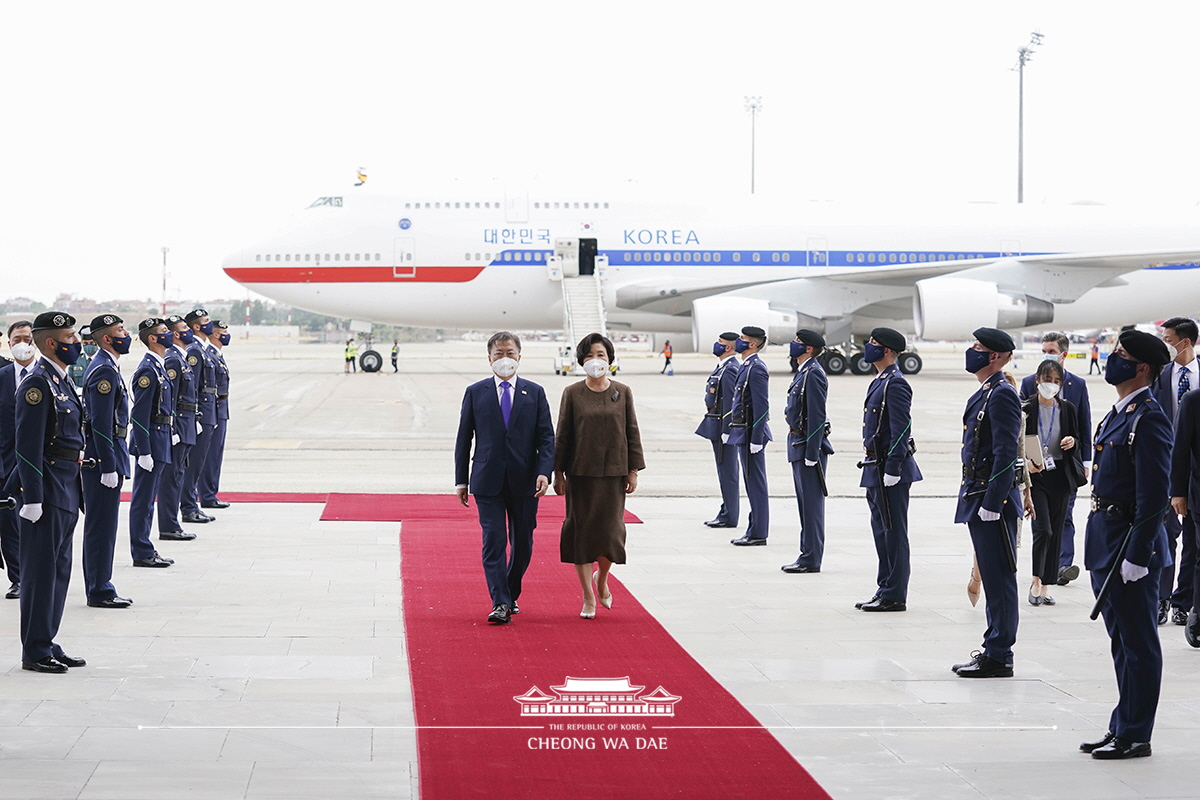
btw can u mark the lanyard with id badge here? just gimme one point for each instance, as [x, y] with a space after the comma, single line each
[1047, 459]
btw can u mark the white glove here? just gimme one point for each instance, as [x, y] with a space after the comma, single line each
[174, 439]
[724, 438]
[199, 429]
[808, 463]
[1131, 572]
[146, 463]
[109, 479]
[988, 516]
[31, 511]
[890, 480]
[755, 448]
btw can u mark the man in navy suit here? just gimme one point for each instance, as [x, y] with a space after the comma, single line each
[1177, 379]
[49, 447]
[749, 433]
[107, 403]
[1074, 389]
[509, 420]
[1185, 486]
[889, 468]
[20, 341]
[808, 447]
[1130, 495]
[718, 403]
[988, 500]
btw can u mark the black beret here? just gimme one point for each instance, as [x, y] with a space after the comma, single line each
[810, 337]
[105, 321]
[219, 323]
[195, 314]
[753, 330]
[174, 319]
[890, 338]
[151, 322]
[728, 336]
[1145, 347]
[53, 320]
[995, 340]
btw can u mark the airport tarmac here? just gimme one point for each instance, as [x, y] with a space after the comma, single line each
[269, 661]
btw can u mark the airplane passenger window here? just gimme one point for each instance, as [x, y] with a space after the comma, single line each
[288, 257]
[658, 257]
[717, 257]
[468, 258]
[507, 256]
[787, 257]
[408, 205]
[327, 256]
[627, 257]
[912, 258]
[707, 257]
[903, 258]
[870, 258]
[585, 205]
[337, 256]
[737, 258]
[258, 257]
[356, 257]
[686, 257]
[606, 205]
[775, 257]
[756, 258]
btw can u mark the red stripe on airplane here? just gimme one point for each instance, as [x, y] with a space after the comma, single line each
[352, 274]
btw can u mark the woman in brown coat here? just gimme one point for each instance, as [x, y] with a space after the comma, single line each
[597, 455]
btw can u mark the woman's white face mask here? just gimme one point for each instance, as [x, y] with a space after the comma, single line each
[595, 367]
[1048, 390]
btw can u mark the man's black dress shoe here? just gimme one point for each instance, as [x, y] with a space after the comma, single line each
[513, 608]
[48, 664]
[796, 568]
[1067, 574]
[746, 541]
[883, 604]
[1179, 617]
[974, 660]
[1192, 632]
[985, 667]
[500, 615]
[215, 504]
[197, 518]
[111, 602]
[1119, 748]
[862, 603]
[70, 661]
[176, 536]
[14, 592]
[716, 523]
[1164, 611]
[1088, 747]
[153, 561]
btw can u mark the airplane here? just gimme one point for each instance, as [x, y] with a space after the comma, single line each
[493, 259]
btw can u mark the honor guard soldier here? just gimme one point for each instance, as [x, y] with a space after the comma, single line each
[718, 402]
[20, 342]
[1125, 536]
[808, 448]
[988, 500]
[210, 477]
[153, 433]
[749, 434]
[889, 469]
[187, 426]
[49, 447]
[203, 361]
[107, 431]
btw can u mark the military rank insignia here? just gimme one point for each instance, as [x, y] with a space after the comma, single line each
[144, 381]
[104, 387]
[33, 396]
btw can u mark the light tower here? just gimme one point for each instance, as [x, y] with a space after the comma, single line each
[753, 105]
[165, 250]
[1024, 56]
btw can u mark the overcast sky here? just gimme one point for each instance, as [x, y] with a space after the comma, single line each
[130, 126]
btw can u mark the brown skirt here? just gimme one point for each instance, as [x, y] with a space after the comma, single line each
[595, 523]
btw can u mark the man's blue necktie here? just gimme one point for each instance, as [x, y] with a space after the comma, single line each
[1185, 385]
[505, 401]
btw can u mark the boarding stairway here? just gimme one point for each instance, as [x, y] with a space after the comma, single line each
[580, 270]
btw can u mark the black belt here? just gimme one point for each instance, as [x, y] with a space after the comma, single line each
[186, 406]
[207, 390]
[972, 474]
[58, 451]
[1114, 508]
[223, 397]
[160, 419]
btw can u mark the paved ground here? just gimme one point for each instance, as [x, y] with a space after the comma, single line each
[269, 661]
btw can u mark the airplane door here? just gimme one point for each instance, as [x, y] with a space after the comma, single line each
[818, 253]
[516, 208]
[404, 265]
[1010, 247]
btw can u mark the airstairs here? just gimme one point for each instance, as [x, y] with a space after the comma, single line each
[581, 272]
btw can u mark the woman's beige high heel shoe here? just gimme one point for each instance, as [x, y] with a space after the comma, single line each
[604, 601]
[973, 586]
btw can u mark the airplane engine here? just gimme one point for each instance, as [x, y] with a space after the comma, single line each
[950, 308]
[712, 316]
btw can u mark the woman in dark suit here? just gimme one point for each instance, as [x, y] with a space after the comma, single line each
[597, 455]
[1056, 470]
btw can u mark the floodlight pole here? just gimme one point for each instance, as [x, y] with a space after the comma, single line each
[753, 105]
[165, 250]
[1024, 55]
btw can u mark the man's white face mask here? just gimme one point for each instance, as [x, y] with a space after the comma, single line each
[505, 367]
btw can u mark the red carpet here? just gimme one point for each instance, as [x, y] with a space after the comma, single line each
[416, 507]
[472, 738]
[259, 497]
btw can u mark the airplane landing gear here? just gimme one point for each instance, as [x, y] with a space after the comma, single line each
[370, 361]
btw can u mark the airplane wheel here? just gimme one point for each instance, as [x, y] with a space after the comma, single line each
[859, 365]
[370, 361]
[835, 364]
[910, 363]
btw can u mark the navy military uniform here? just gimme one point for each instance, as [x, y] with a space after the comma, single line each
[183, 390]
[209, 482]
[10, 527]
[991, 433]
[808, 451]
[107, 402]
[153, 426]
[49, 449]
[203, 363]
[887, 433]
[748, 427]
[718, 402]
[1130, 487]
